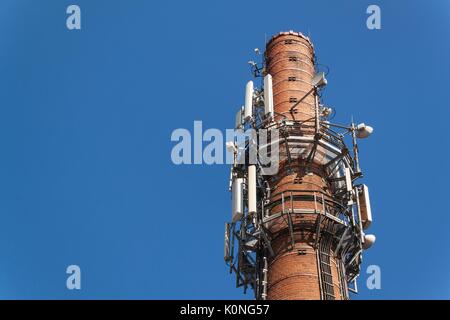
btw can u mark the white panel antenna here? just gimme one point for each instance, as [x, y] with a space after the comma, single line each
[348, 179]
[248, 107]
[251, 189]
[239, 118]
[364, 204]
[237, 192]
[268, 95]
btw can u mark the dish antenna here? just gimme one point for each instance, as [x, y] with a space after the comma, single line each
[363, 130]
[369, 240]
[319, 80]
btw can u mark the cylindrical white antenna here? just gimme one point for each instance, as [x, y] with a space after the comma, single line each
[248, 108]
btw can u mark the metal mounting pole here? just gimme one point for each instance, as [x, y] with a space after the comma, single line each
[316, 98]
[355, 148]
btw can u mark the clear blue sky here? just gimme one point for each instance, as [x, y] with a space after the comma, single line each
[86, 116]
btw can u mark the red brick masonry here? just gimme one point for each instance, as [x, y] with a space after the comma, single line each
[293, 272]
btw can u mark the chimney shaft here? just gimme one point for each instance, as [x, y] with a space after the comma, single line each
[303, 267]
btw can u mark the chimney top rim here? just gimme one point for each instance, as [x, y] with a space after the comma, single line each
[290, 33]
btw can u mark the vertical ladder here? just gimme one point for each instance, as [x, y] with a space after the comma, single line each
[325, 269]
